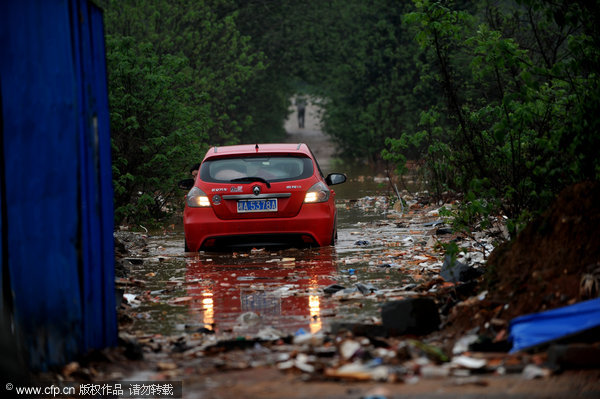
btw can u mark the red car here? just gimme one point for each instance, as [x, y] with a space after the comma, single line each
[260, 195]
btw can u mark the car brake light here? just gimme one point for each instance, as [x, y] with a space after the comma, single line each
[319, 192]
[197, 199]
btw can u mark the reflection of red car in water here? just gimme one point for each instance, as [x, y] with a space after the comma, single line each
[286, 293]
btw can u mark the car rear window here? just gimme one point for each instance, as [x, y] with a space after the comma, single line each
[272, 168]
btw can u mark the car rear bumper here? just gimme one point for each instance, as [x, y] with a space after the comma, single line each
[312, 226]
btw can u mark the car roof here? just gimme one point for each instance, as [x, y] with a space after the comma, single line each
[254, 149]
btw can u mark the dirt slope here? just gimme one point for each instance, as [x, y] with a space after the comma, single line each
[542, 268]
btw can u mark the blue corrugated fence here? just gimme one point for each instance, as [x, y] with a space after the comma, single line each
[57, 242]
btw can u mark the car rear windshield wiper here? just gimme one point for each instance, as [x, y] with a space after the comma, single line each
[250, 179]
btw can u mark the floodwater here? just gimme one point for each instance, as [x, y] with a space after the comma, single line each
[242, 293]
[245, 293]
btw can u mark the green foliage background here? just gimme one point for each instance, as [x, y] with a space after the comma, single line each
[498, 99]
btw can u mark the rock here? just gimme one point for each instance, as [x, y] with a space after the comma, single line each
[416, 316]
[133, 349]
[457, 271]
[574, 356]
[122, 268]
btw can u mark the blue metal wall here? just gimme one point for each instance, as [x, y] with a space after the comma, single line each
[57, 243]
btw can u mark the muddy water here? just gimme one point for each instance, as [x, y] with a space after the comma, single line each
[244, 293]
[249, 293]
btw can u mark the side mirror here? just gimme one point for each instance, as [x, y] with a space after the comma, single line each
[335, 178]
[186, 184]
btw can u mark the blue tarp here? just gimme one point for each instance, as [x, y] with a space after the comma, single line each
[539, 328]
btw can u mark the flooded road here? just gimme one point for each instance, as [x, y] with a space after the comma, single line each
[281, 289]
[380, 255]
[286, 291]
[249, 293]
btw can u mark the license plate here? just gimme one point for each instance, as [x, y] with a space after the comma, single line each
[257, 205]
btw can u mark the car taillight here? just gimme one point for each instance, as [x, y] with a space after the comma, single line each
[197, 199]
[319, 192]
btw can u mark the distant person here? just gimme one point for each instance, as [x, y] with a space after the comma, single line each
[301, 107]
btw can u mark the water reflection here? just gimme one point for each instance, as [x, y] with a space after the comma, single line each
[208, 310]
[314, 307]
[245, 293]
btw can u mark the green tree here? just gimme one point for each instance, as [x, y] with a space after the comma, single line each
[370, 77]
[155, 128]
[177, 83]
[516, 106]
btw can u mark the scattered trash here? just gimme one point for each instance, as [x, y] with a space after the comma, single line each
[332, 289]
[269, 334]
[304, 338]
[531, 371]
[368, 311]
[348, 348]
[131, 299]
[434, 223]
[468, 362]
[462, 345]
[181, 299]
[365, 289]
[249, 319]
